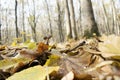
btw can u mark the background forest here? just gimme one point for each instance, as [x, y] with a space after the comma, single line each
[63, 19]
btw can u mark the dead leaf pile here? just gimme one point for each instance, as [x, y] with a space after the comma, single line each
[91, 59]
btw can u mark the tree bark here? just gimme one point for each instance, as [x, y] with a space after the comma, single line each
[6, 32]
[16, 25]
[68, 26]
[106, 19]
[0, 24]
[88, 20]
[34, 23]
[72, 18]
[48, 11]
[23, 22]
[60, 22]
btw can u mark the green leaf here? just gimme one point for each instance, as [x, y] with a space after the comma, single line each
[33, 73]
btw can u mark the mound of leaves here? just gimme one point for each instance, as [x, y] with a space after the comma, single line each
[92, 59]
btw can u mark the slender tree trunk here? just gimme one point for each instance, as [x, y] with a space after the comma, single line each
[80, 30]
[23, 20]
[0, 24]
[88, 20]
[59, 22]
[68, 26]
[16, 18]
[34, 22]
[106, 19]
[72, 18]
[6, 32]
[116, 19]
[0, 33]
[48, 11]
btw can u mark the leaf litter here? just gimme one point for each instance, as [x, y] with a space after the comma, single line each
[97, 58]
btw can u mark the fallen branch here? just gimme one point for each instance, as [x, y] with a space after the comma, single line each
[69, 50]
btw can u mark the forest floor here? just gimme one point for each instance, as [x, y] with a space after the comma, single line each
[85, 59]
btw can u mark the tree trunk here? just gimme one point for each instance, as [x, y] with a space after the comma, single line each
[48, 11]
[6, 32]
[0, 33]
[0, 25]
[32, 22]
[115, 19]
[60, 22]
[68, 23]
[72, 18]
[16, 25]
[88, 20]
[106, 19]
[23, 24]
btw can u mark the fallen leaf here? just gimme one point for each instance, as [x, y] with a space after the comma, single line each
[31, 54]
[52, 61]
[34, 73]
[2, 47]
[8, 63]
[69, 76]
[42, 47]
[99, 65]
[110, 44]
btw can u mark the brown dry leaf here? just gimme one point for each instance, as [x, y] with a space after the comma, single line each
[69, 76]
[29, 53]
[83, 76]
[42, 47]
[73, 76]
[2, 47]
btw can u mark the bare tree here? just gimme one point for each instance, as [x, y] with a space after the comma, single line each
[33, 22]
[73, 23]
[116, 23]
[87, 18]
[60, 14]
[49, 19]
[23, 21]
[0, 24]
[16, 25]
[6, 20]
[68, 26]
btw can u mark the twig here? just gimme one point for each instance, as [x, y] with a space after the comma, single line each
[80, 44]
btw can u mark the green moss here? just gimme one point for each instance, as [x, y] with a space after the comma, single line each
[90, 33]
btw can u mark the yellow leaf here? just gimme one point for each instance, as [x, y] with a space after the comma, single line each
[28, 44]
[33, 73]
[110, 44]
[14, 43]
[52, 61]
[8, 63]
[31, 45]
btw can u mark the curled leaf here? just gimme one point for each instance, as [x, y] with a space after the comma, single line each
[42, 47]
[104, 63]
